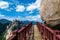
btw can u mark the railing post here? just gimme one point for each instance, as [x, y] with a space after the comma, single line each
[44, 33]
[54, 36]
[19, 36]
[25, 33]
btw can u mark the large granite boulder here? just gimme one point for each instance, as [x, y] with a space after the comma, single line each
[50, 12]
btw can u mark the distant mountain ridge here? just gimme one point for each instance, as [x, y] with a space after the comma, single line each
[3, 26]
[3, 21]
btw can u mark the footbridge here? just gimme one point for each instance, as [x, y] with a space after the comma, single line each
[35, 32]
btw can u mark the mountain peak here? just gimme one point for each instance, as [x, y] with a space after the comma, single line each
[3, 21]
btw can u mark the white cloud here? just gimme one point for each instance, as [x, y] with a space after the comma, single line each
[1, 15]
[4, 4]
[20, 8]
[33, 6]
[4, 17]
[13, 18]
[33, 18]
[30, 18]
[9, 9]
[30, 12]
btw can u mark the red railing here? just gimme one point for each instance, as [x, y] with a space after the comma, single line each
[47, 33]
[22, 34]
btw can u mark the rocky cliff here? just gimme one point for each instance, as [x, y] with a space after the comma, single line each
[50, 12]
[15, 25]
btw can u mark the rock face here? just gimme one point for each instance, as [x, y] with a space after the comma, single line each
[50, 12]
[15, 25]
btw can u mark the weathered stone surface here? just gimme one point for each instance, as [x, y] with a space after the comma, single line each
[15, 25]
[50, 11]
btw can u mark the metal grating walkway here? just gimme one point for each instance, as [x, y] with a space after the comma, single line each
[37, 35]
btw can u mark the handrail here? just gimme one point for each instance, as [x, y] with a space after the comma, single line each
[22, 34]
[58, 37]
[52, 31]
[48, 33]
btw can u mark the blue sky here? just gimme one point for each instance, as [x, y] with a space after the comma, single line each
[20, 9]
